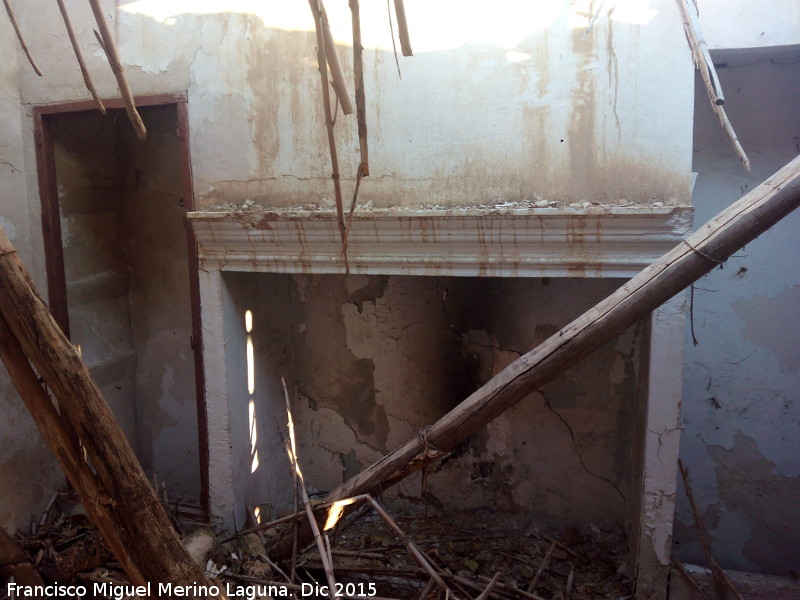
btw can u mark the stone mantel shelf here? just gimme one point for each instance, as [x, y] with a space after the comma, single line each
[549, 242]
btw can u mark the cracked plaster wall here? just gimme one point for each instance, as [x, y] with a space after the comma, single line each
[741, 405]
[511, 103]
[373, 359]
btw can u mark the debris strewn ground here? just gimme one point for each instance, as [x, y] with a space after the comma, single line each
[467, 550]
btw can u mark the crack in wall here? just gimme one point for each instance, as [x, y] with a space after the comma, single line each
[577, 452]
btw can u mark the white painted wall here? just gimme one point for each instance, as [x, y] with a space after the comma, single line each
[746, 24]
[741, 398]
[502, 102]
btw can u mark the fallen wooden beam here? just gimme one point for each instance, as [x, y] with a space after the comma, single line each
[702, 251]
[115, 491]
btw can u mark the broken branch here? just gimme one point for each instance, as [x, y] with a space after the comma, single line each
[702, 60]
[334, 64]
[322, 61]
[720, 577]
[116, 66]
[13, 19]
[361, 102]
[324, 555]
[542, 567]
[87, 79]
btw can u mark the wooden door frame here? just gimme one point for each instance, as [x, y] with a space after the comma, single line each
[43, 116]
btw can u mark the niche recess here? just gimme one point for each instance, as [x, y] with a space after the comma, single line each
[121, 274]
[436, 303]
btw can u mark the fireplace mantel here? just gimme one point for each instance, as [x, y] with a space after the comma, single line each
[595, 242]
[550, 242]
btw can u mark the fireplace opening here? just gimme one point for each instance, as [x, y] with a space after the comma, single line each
[370, 360]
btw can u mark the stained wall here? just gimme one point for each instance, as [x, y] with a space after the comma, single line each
[509, 102]
[741, 399]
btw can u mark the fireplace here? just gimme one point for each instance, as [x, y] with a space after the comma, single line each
[435, 303]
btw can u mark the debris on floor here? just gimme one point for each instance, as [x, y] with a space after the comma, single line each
[467, 550]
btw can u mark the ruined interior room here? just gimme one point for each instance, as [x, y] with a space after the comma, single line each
[403, 300]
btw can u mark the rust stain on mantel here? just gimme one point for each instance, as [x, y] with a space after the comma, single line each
[587, 242]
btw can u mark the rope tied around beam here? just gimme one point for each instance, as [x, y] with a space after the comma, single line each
[704, 255]
[422, 436]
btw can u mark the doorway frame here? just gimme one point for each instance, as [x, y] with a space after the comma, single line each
[43, 116]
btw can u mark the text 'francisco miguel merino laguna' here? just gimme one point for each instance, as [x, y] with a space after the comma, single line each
[119, 591]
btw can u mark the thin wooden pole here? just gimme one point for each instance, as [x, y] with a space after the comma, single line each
[322, 61]
[702, 61]
[402, 28]
[361, 102]
[338, 80]
[116, 66]
[701, 252]
[138, 527]
[13, 19]
[87, 79]
[720, 577]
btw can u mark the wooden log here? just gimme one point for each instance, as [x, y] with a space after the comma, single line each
[139, 530]
[110, 49]
[87, 79]
[702, 251]
[61, 440]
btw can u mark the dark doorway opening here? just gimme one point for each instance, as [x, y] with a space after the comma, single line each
[122, 275]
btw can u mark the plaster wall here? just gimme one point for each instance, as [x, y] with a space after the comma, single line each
[371, 360]
[741, 408]
[26, 464]
[501, 103]
[126, 266]
[743, 24]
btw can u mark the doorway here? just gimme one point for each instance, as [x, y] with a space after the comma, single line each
[122, 276]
